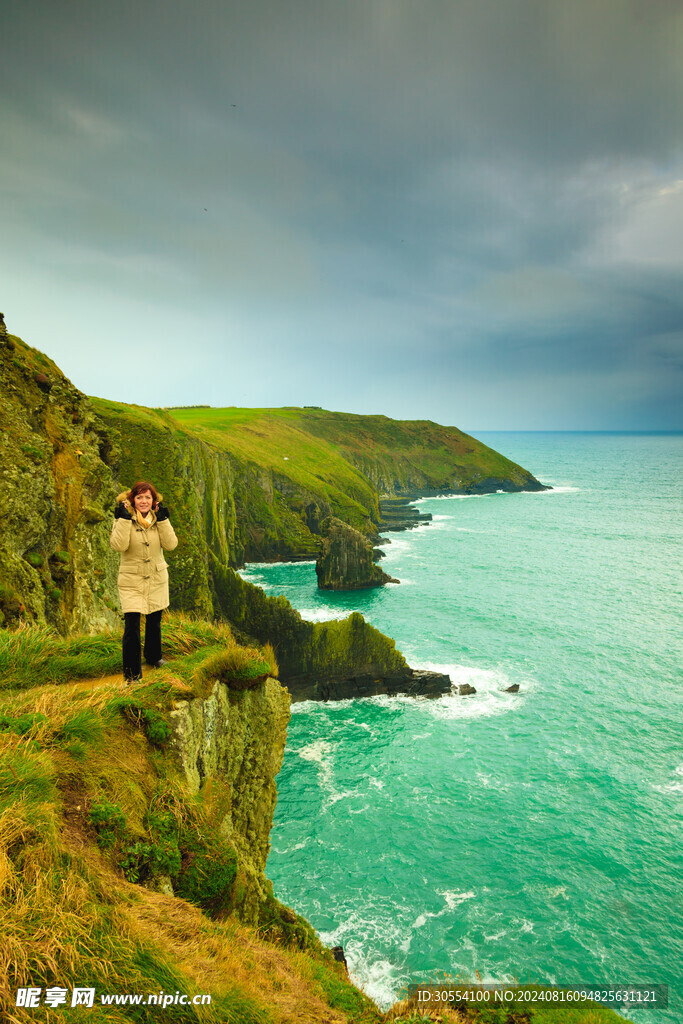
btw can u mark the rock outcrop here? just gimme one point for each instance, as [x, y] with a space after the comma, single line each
[236, 740]
[325, 660]
[346, 561]
[56, 495]
[413, 683]
[400, 514]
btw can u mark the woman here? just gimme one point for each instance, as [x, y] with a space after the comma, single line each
[141, 529]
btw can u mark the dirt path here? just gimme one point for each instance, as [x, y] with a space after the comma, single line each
[117, 680]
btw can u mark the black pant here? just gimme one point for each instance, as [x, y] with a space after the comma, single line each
[132, 666]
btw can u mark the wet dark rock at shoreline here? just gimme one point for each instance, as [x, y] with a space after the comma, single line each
[412, 683]
[399, 514]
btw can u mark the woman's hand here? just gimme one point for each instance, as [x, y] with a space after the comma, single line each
[162, 513]
[121, 512]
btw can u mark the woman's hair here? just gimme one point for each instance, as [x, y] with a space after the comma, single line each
[139, 488]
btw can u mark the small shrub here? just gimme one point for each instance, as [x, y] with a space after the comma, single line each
[154, 726]
[145, 860]
[109, 822]
[34, 558]
[62, 556]
[209, 869]
[240, 668]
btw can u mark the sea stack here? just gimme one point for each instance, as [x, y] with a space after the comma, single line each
[346, 560]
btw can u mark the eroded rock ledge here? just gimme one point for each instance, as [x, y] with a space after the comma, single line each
[413, 683]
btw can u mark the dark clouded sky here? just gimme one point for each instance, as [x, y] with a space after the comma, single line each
[466, 210]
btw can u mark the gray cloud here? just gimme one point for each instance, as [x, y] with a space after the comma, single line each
[421, 209]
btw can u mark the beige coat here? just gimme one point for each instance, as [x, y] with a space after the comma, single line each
[143, 573]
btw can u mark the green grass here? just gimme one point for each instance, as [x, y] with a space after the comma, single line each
[33, 655]
[335, 461]
[342, 996]
[324, 446]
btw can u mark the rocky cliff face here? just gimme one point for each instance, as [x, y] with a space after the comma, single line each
[224, 511]
[236, 740]
[325, 660]
[55, 498]
[346, 561]
[415, 458]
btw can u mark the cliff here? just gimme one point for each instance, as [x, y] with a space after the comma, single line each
[55, 497]
[324, 660]
[134, 831]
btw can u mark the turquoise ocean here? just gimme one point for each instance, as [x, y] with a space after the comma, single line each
[534, 836]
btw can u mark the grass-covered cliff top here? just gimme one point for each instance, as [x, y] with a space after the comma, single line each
[317, 448]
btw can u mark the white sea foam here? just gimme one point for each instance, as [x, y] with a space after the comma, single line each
[281, 850]
[379, 979]
[447, 497]
[376, 976]
[675, 786]
[257, 579]
[320, 614]
[269, 565]
[454, 897]
[320, 752]
[560, 489]
[304, 707]
[490, 698]
[334, 798]
[435, 523]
